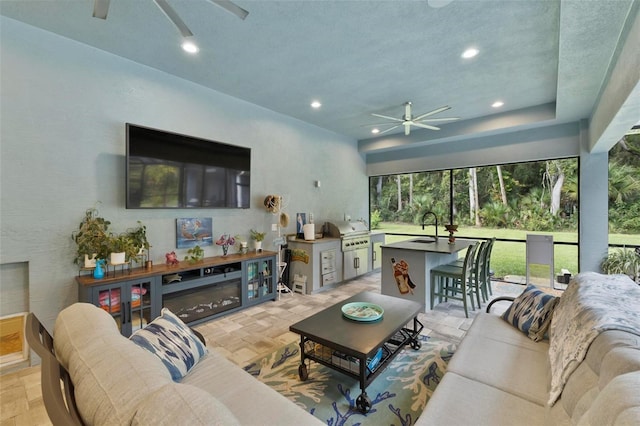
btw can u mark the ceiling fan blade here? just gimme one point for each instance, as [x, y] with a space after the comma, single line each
[100, 9]
[407, 111]
[436, 119]
[389, 129]
[377, 124]
[231, 7]
[425, 126]
[173, 17]
[387, 117]
[435, 111]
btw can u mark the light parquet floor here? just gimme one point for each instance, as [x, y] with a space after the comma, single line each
[245, 335]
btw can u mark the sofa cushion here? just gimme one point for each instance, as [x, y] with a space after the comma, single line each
[178, 404]
[531, 312]
[111, 375]
[461, 401]
[172, 341]
[518, 370]
[251, 401]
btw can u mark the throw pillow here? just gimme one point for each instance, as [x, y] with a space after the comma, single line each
[173, 342]
[531, 312]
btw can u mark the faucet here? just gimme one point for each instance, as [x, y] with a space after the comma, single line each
[435, 217]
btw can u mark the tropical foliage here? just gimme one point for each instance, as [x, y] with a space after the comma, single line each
[535, 196]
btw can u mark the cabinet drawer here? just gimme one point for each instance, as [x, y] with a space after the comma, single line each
[329, 278]
[328, 256]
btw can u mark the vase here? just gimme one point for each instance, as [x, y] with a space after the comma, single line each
[98, 272]
[258, 245]
[225, 250]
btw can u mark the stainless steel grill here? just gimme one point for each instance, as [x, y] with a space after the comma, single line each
[354, 235]
[355, 242]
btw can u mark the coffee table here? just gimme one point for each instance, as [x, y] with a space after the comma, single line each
[359, 349]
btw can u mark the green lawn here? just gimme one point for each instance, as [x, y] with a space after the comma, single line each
[509, 258]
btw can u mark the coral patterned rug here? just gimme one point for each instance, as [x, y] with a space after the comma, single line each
[398, 395]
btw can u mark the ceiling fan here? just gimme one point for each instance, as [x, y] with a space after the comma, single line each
[101, 8]
[409, 120]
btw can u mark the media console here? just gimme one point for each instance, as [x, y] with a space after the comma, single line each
[196, 292]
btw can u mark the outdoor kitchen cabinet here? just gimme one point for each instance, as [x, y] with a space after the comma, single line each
[319, 260]
[377, 241]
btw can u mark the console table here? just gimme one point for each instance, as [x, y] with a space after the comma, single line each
[196, 292]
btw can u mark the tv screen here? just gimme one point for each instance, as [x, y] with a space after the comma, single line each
[168, 170]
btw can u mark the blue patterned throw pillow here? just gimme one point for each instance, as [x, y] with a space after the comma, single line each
[531, 312]
[173, 342]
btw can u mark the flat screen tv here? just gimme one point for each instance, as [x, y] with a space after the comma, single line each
[167, 170]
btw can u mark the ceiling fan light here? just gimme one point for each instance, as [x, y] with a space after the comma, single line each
[190, 47]
[470, 53]
[375, 131]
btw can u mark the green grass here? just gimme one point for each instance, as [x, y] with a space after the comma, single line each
[509, 258]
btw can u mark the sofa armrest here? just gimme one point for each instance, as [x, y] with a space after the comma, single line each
[499, 299]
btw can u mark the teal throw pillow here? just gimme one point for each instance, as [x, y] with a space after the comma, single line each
[531, 312]
[173, 342]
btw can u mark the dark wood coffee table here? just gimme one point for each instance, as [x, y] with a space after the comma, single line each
[345, 345]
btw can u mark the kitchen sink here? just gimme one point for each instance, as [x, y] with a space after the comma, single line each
[426, 240]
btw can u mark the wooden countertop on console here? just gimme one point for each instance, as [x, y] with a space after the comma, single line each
[160, 269]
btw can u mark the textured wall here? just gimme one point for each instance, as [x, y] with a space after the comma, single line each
[63, 110]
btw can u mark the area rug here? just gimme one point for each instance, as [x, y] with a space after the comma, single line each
[398, 395]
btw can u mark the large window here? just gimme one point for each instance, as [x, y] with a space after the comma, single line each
[624, 191]
[505, 201]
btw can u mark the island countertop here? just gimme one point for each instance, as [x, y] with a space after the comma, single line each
[442, 246]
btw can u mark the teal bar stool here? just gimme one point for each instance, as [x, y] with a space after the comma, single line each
[453, 282]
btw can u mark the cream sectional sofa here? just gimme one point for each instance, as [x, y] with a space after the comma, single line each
[498, 376]
[118, 382]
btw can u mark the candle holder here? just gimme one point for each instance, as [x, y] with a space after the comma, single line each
[451, 229]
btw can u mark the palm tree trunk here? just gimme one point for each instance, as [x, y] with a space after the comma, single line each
[503, 192]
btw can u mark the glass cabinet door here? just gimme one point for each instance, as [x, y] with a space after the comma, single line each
[110, 300]
[260, 279]
[141, 306]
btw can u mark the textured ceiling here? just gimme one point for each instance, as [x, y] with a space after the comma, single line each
[545, 57]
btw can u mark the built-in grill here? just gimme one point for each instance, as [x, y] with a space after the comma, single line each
[355, 239]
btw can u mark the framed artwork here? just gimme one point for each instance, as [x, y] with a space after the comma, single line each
[194, 231]
[301, 219]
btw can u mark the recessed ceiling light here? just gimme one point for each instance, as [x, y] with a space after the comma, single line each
[497, 104]
[374, 131]
[190, 47]
[316, 104]
[470, 53]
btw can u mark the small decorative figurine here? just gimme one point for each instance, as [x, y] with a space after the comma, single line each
[172, 258]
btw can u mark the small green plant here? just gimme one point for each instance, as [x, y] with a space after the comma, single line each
[622, 261]
[258, 236]
[194, 254]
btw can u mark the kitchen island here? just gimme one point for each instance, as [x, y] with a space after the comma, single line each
[406, 266]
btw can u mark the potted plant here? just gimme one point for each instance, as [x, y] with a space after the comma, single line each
[121, 248]
[622, 261]
[257, 237]
[194, 254]
[138, 237]
[92, 239]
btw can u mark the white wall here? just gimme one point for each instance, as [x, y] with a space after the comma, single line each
[62, 112]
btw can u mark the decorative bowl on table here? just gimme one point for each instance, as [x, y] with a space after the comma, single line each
[362, 311]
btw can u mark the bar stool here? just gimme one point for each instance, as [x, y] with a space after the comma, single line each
[454, 282]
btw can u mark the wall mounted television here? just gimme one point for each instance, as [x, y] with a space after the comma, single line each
[171, 171]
